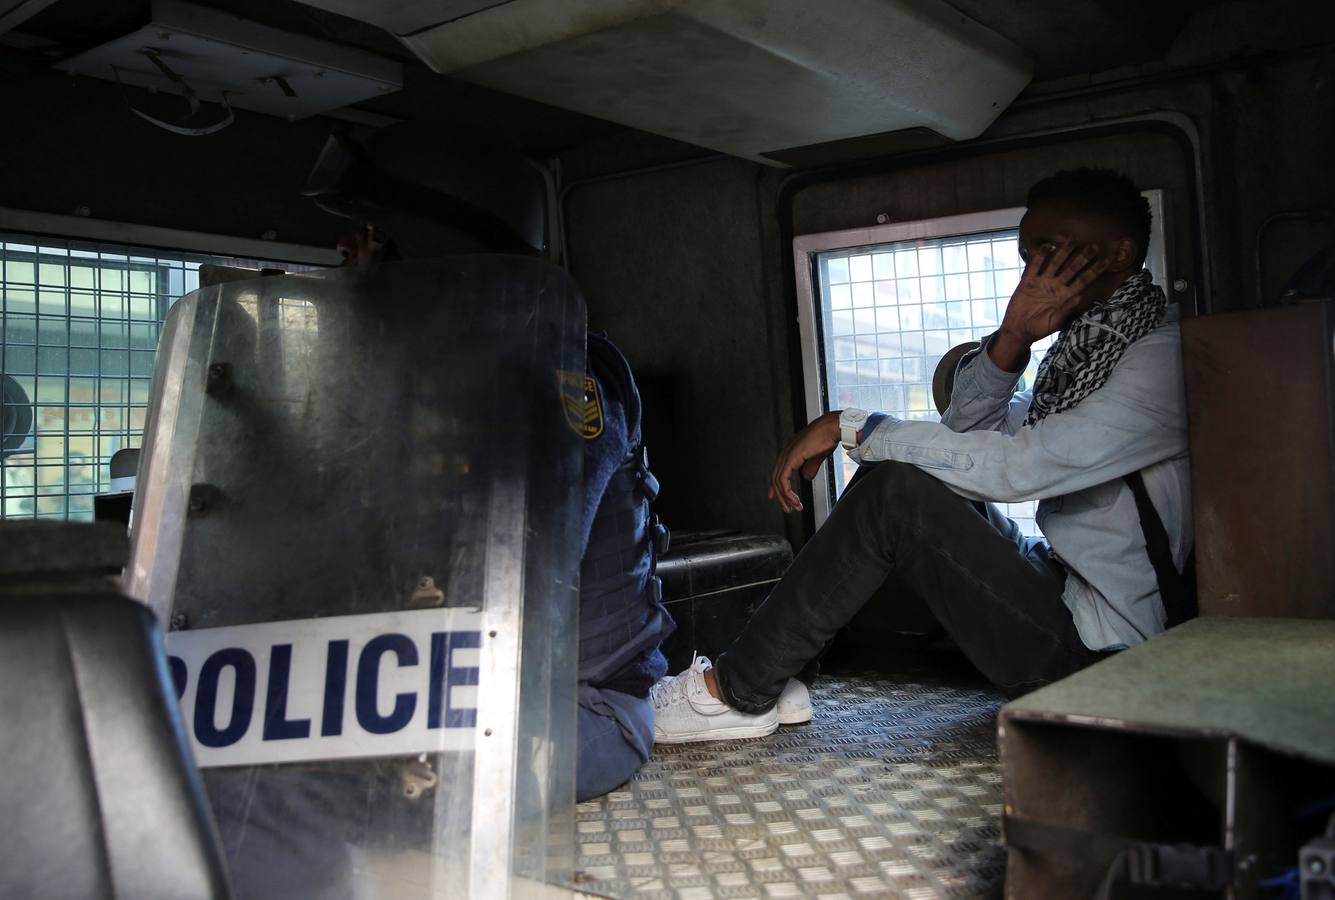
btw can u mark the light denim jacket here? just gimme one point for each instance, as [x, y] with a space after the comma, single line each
[1073, 463]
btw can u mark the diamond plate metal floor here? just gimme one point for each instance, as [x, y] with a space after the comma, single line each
[893, 790]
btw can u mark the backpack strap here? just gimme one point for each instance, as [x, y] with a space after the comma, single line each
[1177, 589]
[1176, 870]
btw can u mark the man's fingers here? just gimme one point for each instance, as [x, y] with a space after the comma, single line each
[1039, 261]
[794, 501]
[1089, 274]
[1060, 257]
[778, 466]
[779, 488]
[1080, 262]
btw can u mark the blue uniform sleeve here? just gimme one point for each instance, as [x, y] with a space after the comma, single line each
[603, 455]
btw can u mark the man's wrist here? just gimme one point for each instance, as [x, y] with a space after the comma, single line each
[850, 423]
[1008, 351]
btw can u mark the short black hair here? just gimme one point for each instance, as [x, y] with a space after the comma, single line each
[1103, 191]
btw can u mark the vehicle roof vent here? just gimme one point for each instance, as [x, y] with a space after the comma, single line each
[210, 55]
[760, 79]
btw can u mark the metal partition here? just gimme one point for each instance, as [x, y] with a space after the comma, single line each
[357, 509]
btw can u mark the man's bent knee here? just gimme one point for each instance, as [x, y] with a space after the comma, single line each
[899, 480]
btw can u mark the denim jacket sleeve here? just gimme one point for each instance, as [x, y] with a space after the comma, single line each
[983, 398]
[982, 450]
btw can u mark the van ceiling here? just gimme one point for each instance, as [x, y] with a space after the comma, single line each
[1064, 38]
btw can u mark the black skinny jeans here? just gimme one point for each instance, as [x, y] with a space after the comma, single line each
[996, 593]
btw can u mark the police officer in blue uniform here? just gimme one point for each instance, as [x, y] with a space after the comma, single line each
[621, 619]
[429, 198]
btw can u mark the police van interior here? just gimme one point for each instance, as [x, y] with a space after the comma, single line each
[307, 308]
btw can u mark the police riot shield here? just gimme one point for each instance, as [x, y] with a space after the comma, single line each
[358, 512]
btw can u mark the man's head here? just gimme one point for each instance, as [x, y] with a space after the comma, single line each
[424, 193]
[1090, 206]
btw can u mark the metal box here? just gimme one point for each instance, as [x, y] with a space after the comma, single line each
[712, 583]
[1261, 408]
[1219, 733]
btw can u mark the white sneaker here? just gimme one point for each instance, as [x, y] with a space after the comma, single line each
[794, 703]
[684, 711]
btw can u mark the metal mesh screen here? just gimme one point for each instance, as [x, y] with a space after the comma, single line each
[890, 312]
[80, 323]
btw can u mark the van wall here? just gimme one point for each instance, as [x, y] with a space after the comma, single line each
[690, 267]
[71, 143]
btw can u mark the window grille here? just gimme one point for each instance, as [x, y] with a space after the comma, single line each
[880, 306]
[80, 323]
[891, 312]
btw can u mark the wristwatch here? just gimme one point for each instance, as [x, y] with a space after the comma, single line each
[850, 423]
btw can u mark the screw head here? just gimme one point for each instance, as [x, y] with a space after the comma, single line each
[203, 497]
[180, 621]
[218, 379]
[1316, 866]
[1180, 285]
[882, 218]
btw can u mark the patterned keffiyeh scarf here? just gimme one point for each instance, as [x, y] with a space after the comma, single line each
[1089, 348]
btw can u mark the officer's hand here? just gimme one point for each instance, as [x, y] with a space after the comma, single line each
[805, 451]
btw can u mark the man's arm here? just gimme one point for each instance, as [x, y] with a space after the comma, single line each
[984, 398]
[1134, 420]
[1048, 292]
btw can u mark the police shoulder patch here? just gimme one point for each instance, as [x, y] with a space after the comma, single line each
[581, 399]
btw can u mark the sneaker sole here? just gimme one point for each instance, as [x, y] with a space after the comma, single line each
[719, 734]
[796, 717]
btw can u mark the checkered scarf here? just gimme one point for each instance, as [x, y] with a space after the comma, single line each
[1089, 348]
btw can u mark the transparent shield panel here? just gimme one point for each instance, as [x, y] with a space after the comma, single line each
[357, 508]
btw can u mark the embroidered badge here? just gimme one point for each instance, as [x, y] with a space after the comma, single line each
[582, 403]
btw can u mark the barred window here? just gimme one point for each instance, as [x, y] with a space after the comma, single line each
[80, 323]
[891, 312]
[881, 306]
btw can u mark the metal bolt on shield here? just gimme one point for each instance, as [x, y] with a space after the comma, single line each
[219, 380]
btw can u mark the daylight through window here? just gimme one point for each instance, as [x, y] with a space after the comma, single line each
[80, 324]
[890, 312]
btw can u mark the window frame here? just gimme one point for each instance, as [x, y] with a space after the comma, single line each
[143, 248]
[152, 237]
[807, 249]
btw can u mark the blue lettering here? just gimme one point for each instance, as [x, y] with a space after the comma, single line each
[179, 675]
[461, 675]
[443, 644]
[243, 698]
[335, 686]
[435, 698]
[368, 684]
[277, 726]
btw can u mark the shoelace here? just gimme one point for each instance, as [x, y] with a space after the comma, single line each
[673, 690]
[669, 690]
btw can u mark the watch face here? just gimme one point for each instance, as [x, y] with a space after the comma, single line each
[854, 415]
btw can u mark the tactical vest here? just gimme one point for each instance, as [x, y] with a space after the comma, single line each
[622, 620]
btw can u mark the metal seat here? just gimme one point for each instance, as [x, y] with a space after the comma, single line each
[99, 792]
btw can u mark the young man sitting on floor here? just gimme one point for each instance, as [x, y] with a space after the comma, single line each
[1100, 441]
